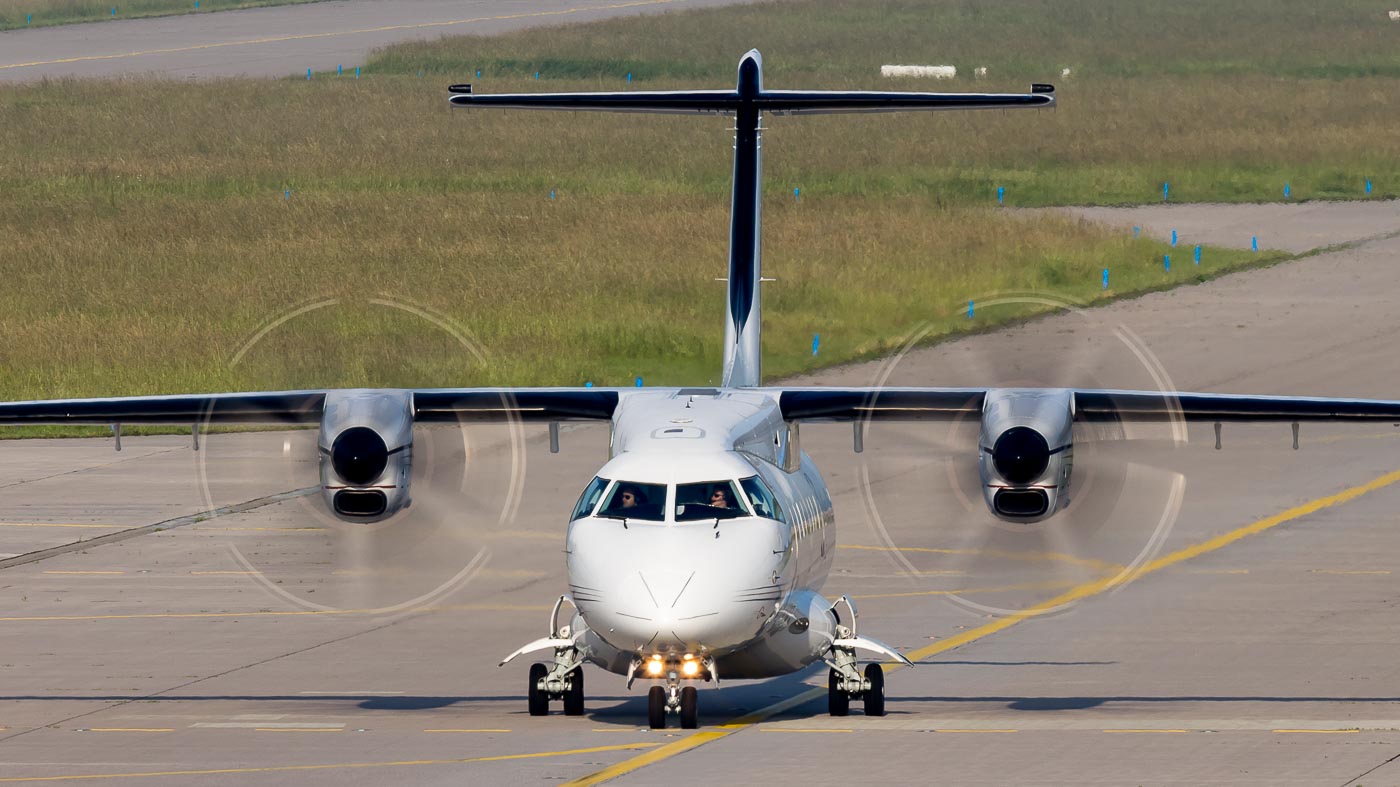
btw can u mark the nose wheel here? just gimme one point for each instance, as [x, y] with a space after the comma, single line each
[684, 701]
[656, 708]
[690, 710]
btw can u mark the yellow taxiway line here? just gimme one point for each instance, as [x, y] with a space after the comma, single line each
[326, 767]
[1087, 590]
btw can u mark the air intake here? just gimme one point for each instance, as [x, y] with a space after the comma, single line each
[365, 503]
[1023, 503]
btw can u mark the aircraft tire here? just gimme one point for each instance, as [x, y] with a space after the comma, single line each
[875, 697]
[573, 698]
[838, 702]
[690, 708]
[656, 708]
[539, 701]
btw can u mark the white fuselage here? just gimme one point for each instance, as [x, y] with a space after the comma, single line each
[738, 591]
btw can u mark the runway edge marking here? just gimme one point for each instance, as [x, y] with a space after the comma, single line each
[1079, 593]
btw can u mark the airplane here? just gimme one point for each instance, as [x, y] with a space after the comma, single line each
[699, 551]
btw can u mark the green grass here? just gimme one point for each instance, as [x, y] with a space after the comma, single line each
[148, 238]
[809, 41]
[16, 14]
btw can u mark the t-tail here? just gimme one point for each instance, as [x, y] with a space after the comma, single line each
[746, 103]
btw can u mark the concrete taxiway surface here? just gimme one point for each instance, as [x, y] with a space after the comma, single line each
[271, 646]
[282, 41]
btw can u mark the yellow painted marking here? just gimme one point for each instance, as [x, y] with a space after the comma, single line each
[976, 730]
[310, 36]
[331, 766]
[1101, 566]
[1321, 732]
[84, 572]
[1148, 731]
[1096, 587]
[1084, 591]
[131, 729]
[56, 524]
[1341, 571]
[790, 729]
[466, 730]
[214, 573]
[297, 729]
[965, 591]
[643, 760]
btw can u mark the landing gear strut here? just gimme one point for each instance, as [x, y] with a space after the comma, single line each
[561, 680]
[845, 681]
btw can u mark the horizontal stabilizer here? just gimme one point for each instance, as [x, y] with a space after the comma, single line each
[779, 102]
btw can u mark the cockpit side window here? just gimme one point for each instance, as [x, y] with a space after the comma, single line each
[764, 503]
[589, 498]
[708, 500]
[631, 500]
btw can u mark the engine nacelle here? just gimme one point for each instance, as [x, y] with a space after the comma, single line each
[366, 448]
[1026, 451]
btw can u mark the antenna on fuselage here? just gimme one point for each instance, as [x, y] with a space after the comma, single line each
[746, 103]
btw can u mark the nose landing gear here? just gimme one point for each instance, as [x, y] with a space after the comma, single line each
[675, 698]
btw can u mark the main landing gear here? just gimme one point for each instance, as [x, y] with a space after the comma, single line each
[560, 680]
[845, 681]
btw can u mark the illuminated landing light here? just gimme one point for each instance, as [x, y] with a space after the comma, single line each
[691, 668]
[654, 667]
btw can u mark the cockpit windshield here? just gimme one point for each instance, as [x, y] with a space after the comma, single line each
[764, 503]
[709, 500]
[630, 500]
[589, 498]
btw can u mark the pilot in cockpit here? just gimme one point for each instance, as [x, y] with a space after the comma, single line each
[631, 497]
[719, 498]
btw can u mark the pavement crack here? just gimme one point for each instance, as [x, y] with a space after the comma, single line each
[88, 468]
[1384, 763]
[168, 524]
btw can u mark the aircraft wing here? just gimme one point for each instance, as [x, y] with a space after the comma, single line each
[304, 407]
[922, 404]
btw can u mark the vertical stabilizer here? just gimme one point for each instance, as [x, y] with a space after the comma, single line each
[743, 353]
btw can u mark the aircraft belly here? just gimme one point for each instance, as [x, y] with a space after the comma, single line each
[798, 635]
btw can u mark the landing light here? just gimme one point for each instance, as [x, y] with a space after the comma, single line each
[654, 667]
[691, 668]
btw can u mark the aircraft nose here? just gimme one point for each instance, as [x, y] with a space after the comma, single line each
[685, 590]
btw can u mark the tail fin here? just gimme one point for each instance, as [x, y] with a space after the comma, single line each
[747, 102]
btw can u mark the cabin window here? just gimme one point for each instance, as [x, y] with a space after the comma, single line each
[764, 503]
[589, 498]
[708, 500]
[632, 500]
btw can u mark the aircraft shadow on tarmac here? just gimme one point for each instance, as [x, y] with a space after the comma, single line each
[725, 702]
